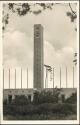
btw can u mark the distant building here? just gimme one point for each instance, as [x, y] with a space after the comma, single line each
[38, 57]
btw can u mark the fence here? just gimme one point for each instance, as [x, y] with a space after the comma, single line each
[46, 78]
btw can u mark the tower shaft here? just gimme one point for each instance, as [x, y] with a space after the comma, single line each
[38, 57]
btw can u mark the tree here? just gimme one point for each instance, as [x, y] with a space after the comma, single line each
[21, 9]
[72, 99]
[72, 14]
[75, 58]
[46, 96]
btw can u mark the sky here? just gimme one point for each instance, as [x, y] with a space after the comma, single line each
[60, 44]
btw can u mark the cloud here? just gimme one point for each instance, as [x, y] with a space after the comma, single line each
[59, 40]
[62, 57]
[17, 49]
[18, 52]
[58, 28]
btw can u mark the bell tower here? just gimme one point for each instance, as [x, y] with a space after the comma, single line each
[38, 57]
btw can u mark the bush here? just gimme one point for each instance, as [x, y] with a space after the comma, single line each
[44, 109]
[64, 109]
[20, 100]
[46, 96]
[9, 109]
[44, 103]
[5, 102]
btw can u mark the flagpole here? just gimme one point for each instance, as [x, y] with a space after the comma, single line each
[3, 78]
[73, 77]
[53, 77]
[60, 77]
[45, 81]
[9, 78]
[46, 77]
[27, 78]
[66, 77]
[15, 78]
[21, 78]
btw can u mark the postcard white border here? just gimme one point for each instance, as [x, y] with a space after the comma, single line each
[1, 67]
